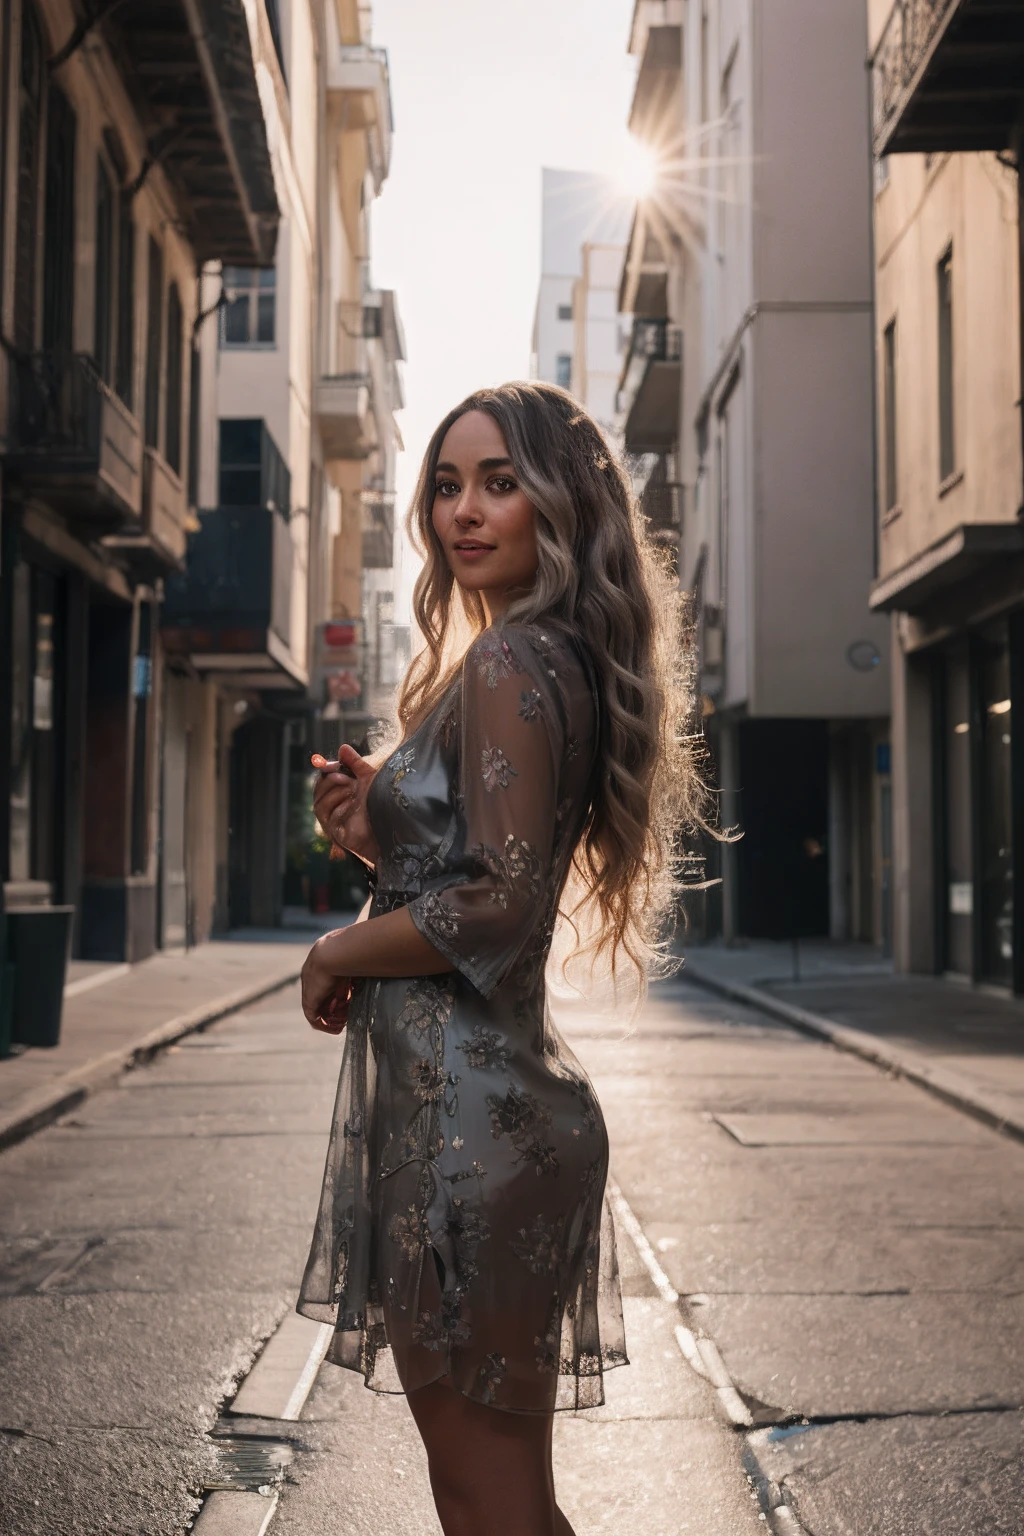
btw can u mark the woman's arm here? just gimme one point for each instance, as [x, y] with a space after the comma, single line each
[389, 945]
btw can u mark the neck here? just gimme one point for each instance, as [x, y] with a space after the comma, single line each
[496, 605]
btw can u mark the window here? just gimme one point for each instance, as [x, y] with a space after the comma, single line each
[26, 235]
[247, 316]
[59, 244]
[947, 442]
[565, 311]
[124, 381]
[103, 343]
[114, 315]
[172, 426]
[154, 340]
[274, 18]
[889, 413]
[252, 471]
[563, 369]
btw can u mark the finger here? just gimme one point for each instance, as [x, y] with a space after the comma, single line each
[333, 800]
[350, 759]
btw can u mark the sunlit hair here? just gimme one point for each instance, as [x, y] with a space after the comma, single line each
[601, 582]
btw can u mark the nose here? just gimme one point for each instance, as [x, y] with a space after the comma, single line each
[468, 512]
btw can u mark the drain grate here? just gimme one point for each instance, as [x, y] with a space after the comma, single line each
[248, 1463]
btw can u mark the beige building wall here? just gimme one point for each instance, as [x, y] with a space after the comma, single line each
[929, 209]
[965, 205]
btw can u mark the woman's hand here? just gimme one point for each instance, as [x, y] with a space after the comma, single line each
[339, 801]
[325, 995]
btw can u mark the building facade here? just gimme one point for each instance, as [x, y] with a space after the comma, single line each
[748, 392]
[274, 623]
[948, 130]
[133, 151]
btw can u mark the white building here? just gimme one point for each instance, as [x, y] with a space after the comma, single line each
[749, 274]
[578, 209]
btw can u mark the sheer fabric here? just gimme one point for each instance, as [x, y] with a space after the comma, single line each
[462, 1230]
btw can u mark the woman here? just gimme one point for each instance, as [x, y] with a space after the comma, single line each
[460, 1249]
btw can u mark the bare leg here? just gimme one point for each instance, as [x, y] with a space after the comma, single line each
[490, 1471]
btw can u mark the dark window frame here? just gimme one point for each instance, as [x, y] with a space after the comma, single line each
[59, 226]
[946, 359]
[890, 440]
[154, 343]
[252, 309]
[174, 400]
[105, 309]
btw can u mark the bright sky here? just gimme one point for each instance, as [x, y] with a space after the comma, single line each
[484, 96]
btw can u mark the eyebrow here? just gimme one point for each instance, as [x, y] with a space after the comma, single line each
[483, 464]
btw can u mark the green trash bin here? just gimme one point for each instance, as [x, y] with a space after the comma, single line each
[38, 943]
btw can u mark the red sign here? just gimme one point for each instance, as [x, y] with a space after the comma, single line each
[340, 636]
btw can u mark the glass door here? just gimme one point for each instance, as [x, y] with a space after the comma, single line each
[956, 748]
[995, 805]
[35, 718]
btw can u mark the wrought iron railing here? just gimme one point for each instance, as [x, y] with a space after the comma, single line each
[57, 404]
[652, 341]
[902, 48]
[238, 573]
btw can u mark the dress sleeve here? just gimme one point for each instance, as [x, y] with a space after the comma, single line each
[512, 734]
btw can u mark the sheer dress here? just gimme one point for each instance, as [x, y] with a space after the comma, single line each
[462, 1230]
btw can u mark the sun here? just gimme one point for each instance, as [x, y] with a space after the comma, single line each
[637, 173]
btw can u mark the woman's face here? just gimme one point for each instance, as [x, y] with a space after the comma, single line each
[486, 524]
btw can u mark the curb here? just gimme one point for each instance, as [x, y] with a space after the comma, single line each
[45, 1105]
[998, 1114]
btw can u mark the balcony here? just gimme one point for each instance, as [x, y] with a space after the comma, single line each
[946, 75]
[378, 529]
[657, 98]
[72, 442]
[229, 611]
[650, 395]
[343, 397]
[359, 97]
[188, 70]
[162, 542]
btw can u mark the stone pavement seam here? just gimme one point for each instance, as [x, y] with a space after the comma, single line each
[44, 1105]
[701, 1353]
[951, 1087]
[772, 1498]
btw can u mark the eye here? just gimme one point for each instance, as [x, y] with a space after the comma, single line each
[446, 488]
[503, 484]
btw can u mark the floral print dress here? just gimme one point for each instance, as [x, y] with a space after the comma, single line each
[462, 1230]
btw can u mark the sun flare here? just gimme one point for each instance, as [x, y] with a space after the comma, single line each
[637, 172]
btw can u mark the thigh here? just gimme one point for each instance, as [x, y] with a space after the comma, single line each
[491, 1466]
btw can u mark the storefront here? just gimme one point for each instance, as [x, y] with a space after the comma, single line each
[978, 804]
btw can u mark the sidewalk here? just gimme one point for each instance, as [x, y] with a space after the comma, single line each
[117, 1015]
[960, 1042]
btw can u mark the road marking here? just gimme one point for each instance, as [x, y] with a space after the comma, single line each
[97, 979]
[302, 1387]
[235, 1514]
[620, 1205]
[701, 1354]
[280, 1381]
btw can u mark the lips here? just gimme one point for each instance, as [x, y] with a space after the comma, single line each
[472, 547]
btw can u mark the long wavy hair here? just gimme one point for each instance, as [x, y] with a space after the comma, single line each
[603, 584]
